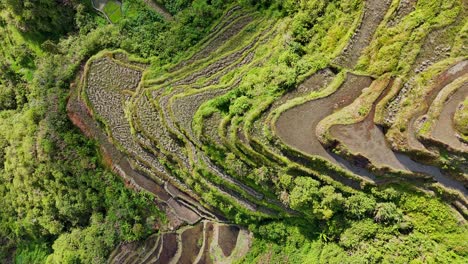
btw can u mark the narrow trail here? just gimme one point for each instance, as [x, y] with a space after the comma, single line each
[374, 12]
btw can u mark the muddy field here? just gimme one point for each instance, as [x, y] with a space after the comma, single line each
[227, 238]
[296, 126]
[444, 130]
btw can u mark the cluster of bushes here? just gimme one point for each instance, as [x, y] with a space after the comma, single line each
[392, 225]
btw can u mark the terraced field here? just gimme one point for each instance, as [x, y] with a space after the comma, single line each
[214, 136]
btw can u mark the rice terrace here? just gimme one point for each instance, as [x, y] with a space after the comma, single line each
[298, 131]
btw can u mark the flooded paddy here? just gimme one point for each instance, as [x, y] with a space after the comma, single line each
[296, 126]
[444, 130]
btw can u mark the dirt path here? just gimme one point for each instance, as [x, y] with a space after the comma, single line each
[296, 126]
[99, 4]
[374, 12]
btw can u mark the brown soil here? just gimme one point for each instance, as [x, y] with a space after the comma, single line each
[219, 65]
[151, 248]
[206, 258]
[183, 212]
[230, 16]
[227, 238]
[210, 128]
[296, 126]
[191, 244]
[147, 119]
[438, 44]
[404, 8]
[317, 81]
[79, 115]
[367, 139]
[444, 130]
[169, 248]
[374, 12]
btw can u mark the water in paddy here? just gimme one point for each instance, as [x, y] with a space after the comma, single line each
[368, 139]
[454, 72]
[296, 126]
[444, 130]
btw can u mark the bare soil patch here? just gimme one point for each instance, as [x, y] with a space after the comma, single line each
[183, 212]
[191, 244]
[209, 231]
[369, 140]
[227, 238]
[169, 248]
[404, 8]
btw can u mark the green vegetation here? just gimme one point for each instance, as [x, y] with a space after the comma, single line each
[436, 107]
[425, 224]
[194, 101]
[113, 11]
[461, 119]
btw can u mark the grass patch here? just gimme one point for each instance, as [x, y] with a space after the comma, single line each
[460, 119]
[113, 11]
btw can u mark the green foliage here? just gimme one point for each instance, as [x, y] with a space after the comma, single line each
[332, 253]
[358, 232]
[428, 232]
[149, 35]
[113, 11]
[275, 231]
[303, 193]
[404, 40]
[175, 6]
[7, 98]
[53, 186]
[84, 245]
[240, 105]
[33, 253]
[46, 16]
[360, 205]
[387, 213]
